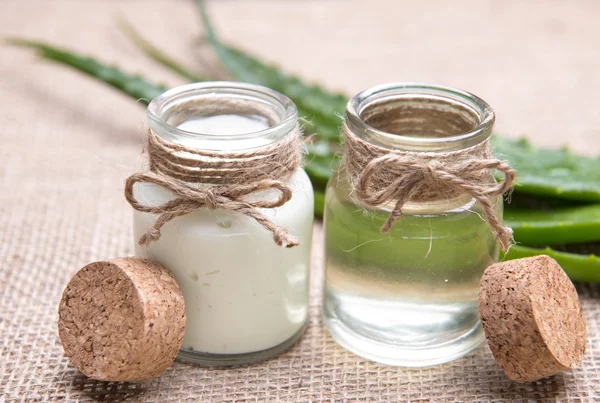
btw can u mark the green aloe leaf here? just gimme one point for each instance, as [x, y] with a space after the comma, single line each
[133, 85]
[157, 54]
[319, 203]
[548, 172]
[322, 108]
[315, 104]
[556, 226]
[321, 164]
[578, 267]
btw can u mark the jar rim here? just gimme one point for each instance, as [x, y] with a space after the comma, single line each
[160, 106]
[398, 91]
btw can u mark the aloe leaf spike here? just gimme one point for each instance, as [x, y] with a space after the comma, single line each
[157, 54]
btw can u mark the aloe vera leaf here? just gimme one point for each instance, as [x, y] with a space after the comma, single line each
[526, 201]
[319, 203]
[554, 227]
[312, 101]
[313, 96]
[231, 63]
[578, 267]
[325, 101]
[157, 54]
[310, 106]
[549, 172]
[321, 163]
[319, 172]
[133, 85]
[322, 105]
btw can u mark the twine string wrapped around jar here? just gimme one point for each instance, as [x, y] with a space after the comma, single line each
[231, 180]
[380, 176]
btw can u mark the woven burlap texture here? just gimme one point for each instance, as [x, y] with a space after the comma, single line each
[67, 144]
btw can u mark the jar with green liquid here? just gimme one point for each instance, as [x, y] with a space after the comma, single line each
[408, 296]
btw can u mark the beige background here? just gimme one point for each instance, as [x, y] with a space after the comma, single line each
[67, 143]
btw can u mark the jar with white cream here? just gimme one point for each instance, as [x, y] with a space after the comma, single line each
[218, 232]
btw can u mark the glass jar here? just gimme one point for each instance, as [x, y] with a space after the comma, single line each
[246, 298]
[409, 296]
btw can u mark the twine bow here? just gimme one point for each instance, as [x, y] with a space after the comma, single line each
[380, 176]
[415, 174]
[221, 197]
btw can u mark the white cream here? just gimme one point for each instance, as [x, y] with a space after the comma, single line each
[224, 124]
[242, 292]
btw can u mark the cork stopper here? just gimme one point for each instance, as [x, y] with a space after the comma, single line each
[122, 319]
[532, 318]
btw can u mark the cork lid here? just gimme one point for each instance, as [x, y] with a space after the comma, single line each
[122, 319]
[532, 318]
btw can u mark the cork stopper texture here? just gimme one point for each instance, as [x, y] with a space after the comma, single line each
[122, 319]
[532, 318]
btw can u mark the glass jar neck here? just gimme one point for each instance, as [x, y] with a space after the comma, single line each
[273, 113]
[419, 117]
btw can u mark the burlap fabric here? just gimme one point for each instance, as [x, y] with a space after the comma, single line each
[67, 144]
